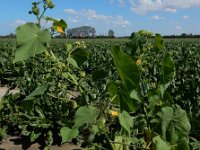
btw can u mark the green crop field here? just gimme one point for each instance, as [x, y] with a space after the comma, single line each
[164, 92]
[138, 93]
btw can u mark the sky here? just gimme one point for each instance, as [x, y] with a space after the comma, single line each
[122, 16]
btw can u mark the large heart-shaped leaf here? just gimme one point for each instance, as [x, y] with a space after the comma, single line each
[32, 40]
[85, 114]
[79, 55]
[174, 124]
[127, 69]
[68, 134]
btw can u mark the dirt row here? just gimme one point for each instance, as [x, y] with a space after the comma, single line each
[18, 143]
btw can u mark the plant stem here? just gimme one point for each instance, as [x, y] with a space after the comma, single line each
[40, 17]
[60, 98]
[100, 147]
[110, 142]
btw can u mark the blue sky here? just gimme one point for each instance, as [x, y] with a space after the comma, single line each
[123, 16]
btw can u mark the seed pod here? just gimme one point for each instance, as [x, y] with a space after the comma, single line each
[35, 10]
[82, 73]
[50, 4]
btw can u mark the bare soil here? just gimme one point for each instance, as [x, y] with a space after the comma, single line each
[18, 143]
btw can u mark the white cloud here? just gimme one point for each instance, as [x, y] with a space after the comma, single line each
[19, 22]
[70, 11]
[92, 15]
[143, 6]
[71, 20]
[171, 10]
[185, 17]
[122, 2]
[178, 27]
[119, 20]
[156, 17]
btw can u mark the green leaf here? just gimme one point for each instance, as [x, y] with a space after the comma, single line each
[163, 88]
[112, 88]
[28, 102]
[134, 44]
[72, 62]
[121, 96]
[160, 144]
[159, 43]
[134, 95]
[174, 124]
[155, 102]
[168, 69]
[126, 121]
[34, 136]
[68, 134]
[85, 114]
[126, 103]
[49, 139]
[38, 91]
[118, 140]
[182, 144]
[127, 69]
[32, 41]
[65, 75]
[79, 55]
[61, 23]
[95, 129]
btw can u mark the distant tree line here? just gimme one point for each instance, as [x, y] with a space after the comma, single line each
[84, 31]
[11, 35]
[183, 35]
[90, 32]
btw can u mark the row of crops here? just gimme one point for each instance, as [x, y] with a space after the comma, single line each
[117, 94]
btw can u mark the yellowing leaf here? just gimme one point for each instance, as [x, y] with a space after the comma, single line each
[59, 29]
[139, 61]
[114, 113]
